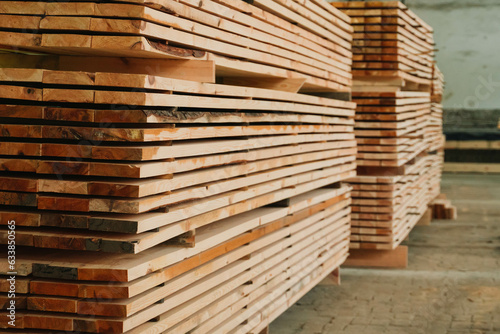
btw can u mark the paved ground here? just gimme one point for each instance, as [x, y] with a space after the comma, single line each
[452, 284]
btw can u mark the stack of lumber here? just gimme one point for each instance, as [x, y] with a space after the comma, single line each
[392, 46]
[390, 127]
[436, 139]
[434, 134]
[397, 126]
[437, 88]
[386, 208]
[158, 195]
[242, 272]
[296, 44]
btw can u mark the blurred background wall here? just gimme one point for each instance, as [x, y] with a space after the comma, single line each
[467, 33]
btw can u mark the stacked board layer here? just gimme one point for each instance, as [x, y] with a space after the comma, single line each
[308, 45]
[391, 127]
[398, 122]
[386, 208]
[181, 183]
[434, 133]
[392, 46]
[241, 273]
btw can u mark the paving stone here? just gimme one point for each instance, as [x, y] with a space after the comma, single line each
[380, 321]
[483, 325]
[316, 326]
[438, 328]
[357, 329]
[334, 328]
[361, 320]
[401, 322]
[496, 325]
[458, 324]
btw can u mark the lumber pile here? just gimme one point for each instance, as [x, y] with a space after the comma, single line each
[290, 44]
[434, 134]
[386, 208]
[392, 46]
[166, 174]
[441, 207]
[390, 128]
[398, 122]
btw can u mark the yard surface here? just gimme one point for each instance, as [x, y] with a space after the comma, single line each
[451, 286]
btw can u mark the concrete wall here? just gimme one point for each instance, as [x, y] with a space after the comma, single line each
[467, 34]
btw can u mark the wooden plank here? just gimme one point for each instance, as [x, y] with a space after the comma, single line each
[101, 241]
[381, 32]
[194, 70]
[151, 169]
[168, 182]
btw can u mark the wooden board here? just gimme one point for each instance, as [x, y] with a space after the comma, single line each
[385, 209]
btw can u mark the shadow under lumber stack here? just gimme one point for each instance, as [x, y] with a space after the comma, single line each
[398, 131]
[172, 166]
